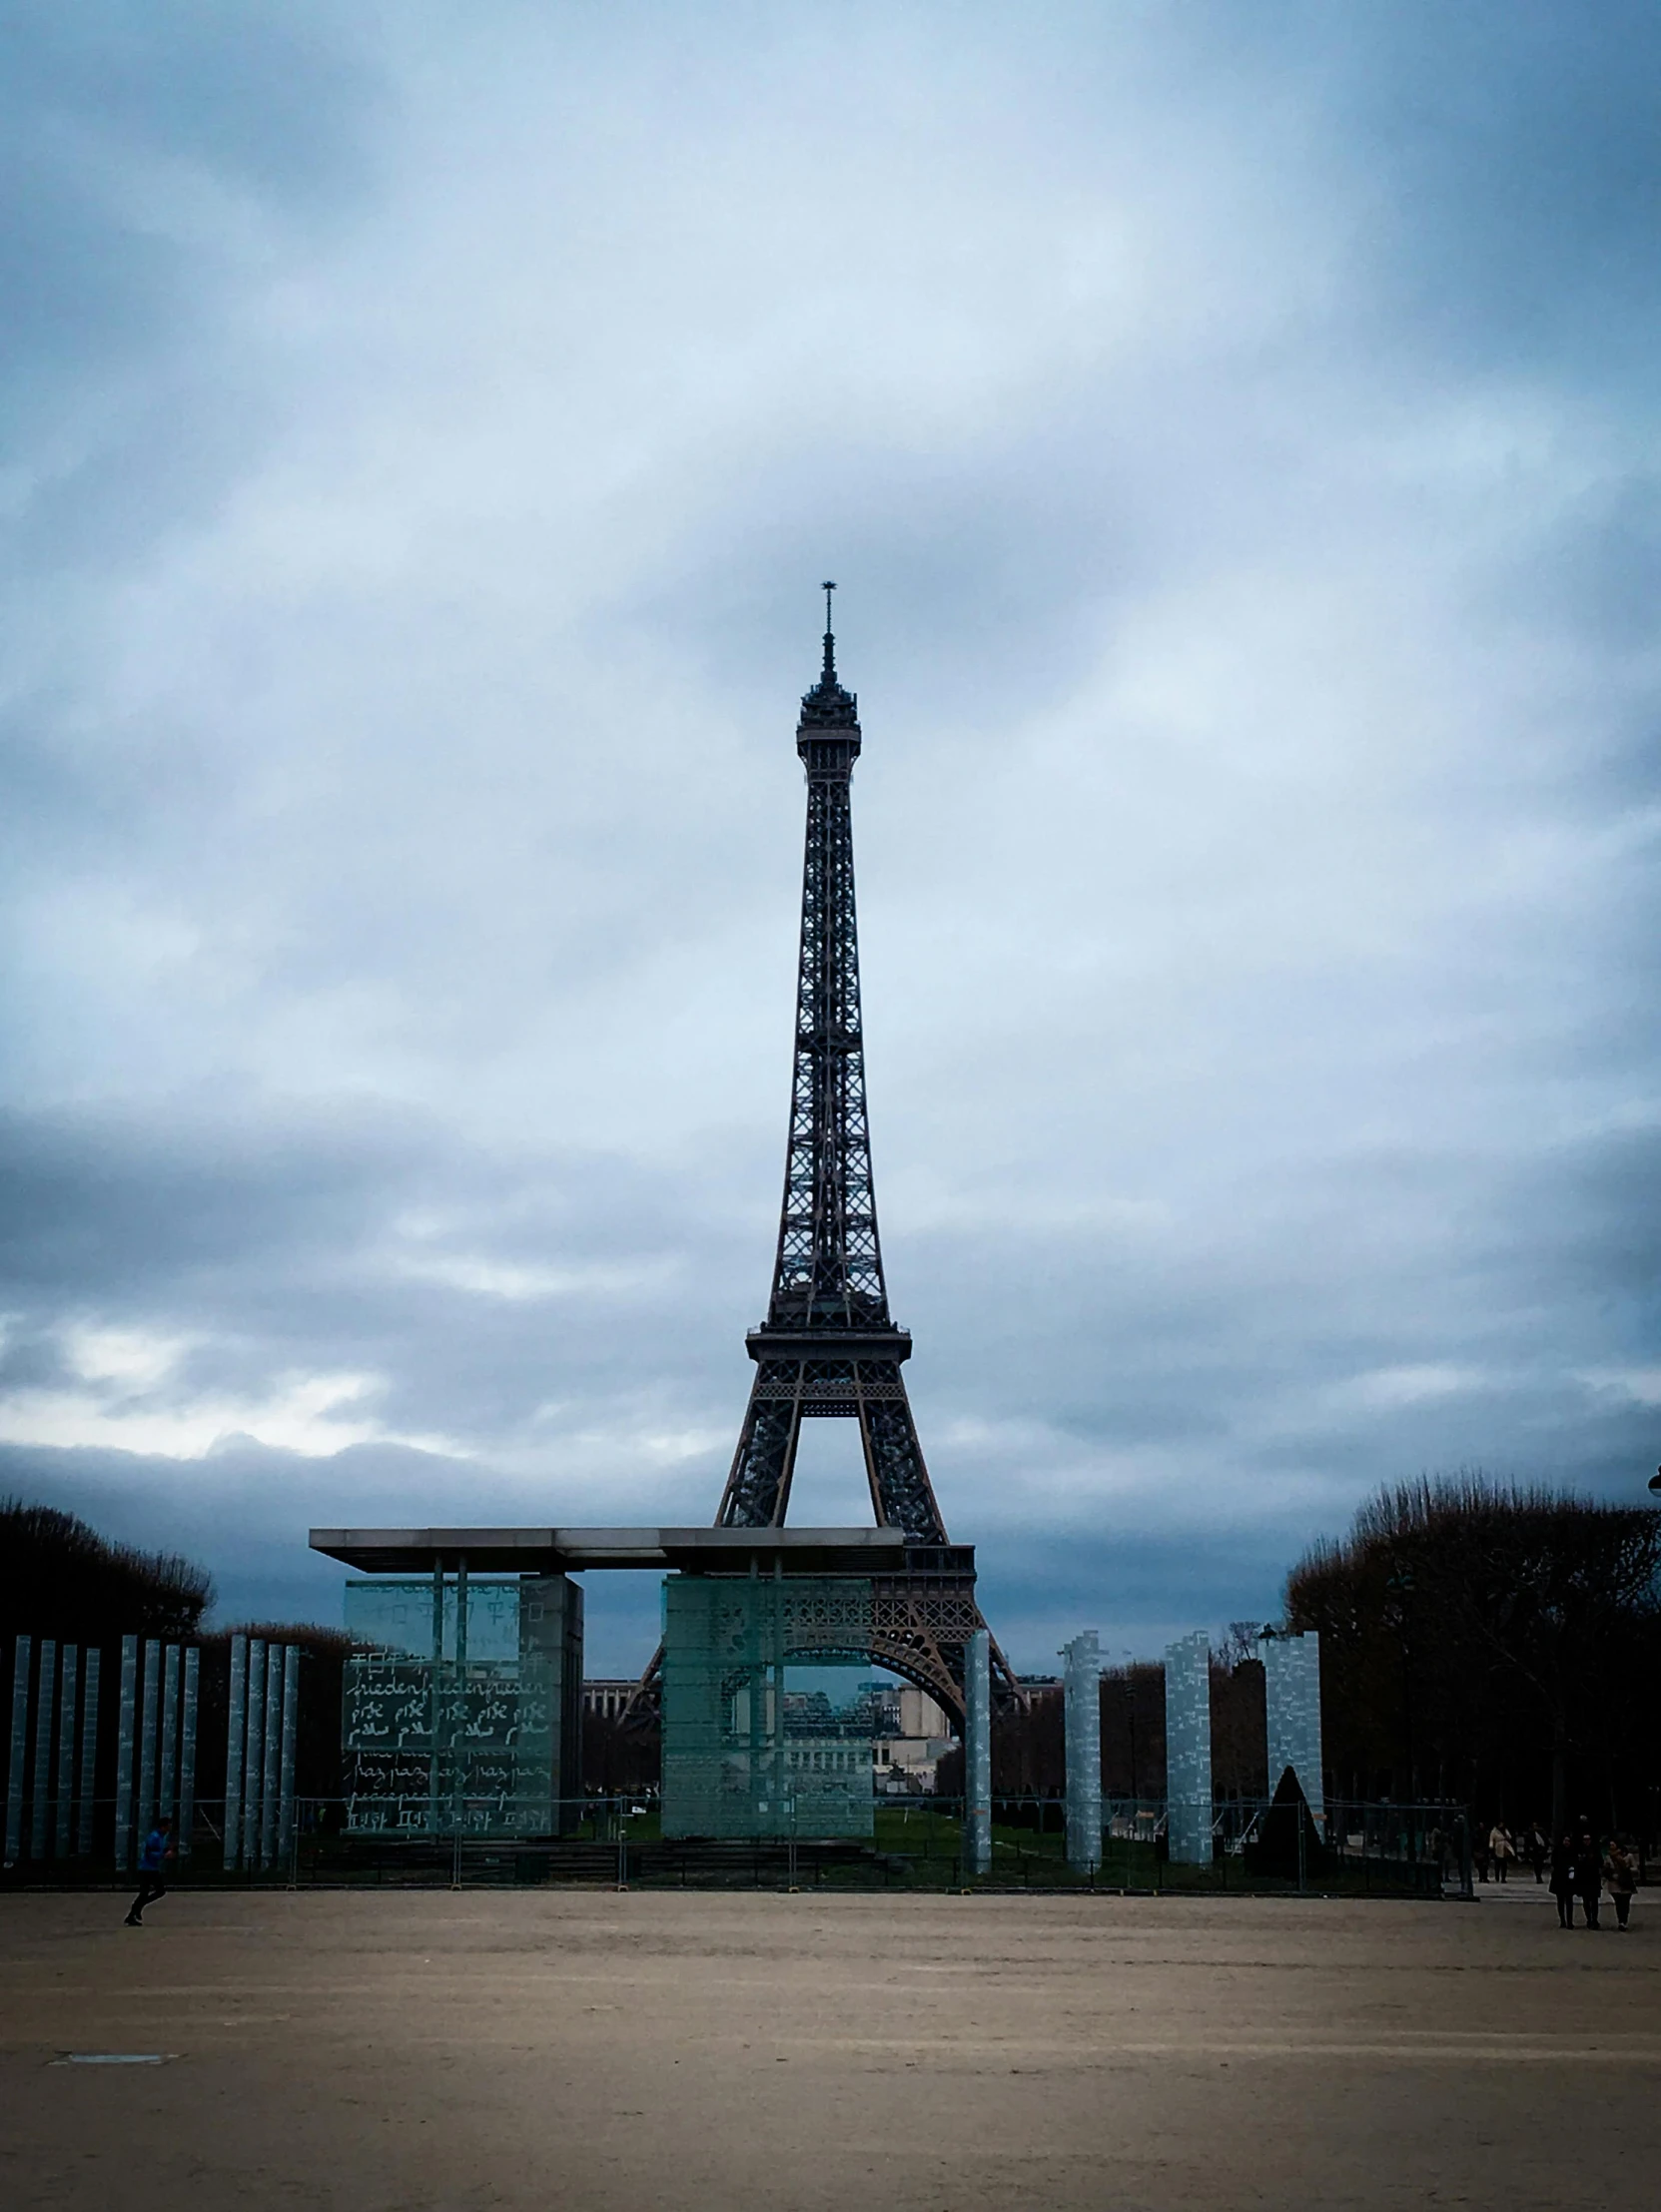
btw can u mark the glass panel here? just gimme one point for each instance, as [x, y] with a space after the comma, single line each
[760, 1737]
[440, 1749]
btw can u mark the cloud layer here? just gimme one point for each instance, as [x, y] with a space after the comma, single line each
[1233, 433]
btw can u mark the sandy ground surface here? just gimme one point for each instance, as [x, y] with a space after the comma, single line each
[452, 2051]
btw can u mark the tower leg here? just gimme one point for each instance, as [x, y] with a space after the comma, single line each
[758, 1485]
[901, 1491]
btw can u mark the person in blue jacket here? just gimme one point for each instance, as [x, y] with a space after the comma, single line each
[157, 1850]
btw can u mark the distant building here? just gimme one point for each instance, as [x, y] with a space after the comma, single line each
[607, 1697]
[902, 1731]
[912, 1736]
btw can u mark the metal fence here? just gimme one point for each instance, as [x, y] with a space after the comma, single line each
[917, 1844]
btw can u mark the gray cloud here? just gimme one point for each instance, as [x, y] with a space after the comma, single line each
[147, 149]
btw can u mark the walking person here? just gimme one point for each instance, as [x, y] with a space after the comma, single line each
[1589, 1872]
[1501, 1849]
[1562, 1879]
[1621, 1873]
[1539, 1849]
[157, 1850]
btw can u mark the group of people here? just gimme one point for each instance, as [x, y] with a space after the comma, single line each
[1580, 1868]
[1499, 1851]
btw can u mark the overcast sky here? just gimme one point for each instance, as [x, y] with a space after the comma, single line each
[1234, 430]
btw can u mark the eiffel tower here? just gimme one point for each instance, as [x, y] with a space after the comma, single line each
[828, 1346]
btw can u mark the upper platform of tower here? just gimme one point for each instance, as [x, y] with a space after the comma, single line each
[827, 706]
[828, 711]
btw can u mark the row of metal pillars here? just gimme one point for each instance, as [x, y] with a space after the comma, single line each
[52, 1771]
[65, 1690]
[260, 1732]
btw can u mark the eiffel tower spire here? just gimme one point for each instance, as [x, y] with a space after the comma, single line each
[828, 1346]
[827, 706]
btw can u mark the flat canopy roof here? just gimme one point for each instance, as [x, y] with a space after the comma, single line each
[851, 1551]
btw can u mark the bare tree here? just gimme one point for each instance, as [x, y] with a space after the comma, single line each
[1491, 1641]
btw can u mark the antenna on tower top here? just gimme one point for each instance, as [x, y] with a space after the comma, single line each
[827, 587]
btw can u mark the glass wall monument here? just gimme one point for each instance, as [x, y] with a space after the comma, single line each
[464, 1704]
[744, 1754]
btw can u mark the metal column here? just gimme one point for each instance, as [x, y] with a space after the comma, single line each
[782, 1787]
[41, 1782]
[1187, 1751]
[21, 1653]
[89, 1752]
[756, 1710]
[170, 1728]
[976, 1756]
[147, 1735]
[433, 1775]
[274, 1753]
[68, 1669]
[1081, 1720]
[291, 1732]
[1292, 1672]
[186, 1754]
[457, 1730]
[253, 1765]
[235, 1730]
[124, 1752]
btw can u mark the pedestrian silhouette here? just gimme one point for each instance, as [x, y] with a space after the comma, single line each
[157, 1850]
[1588, 1871]
[1620, 1875]
[1562, 1879]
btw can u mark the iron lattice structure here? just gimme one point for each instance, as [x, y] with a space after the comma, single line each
[828, 1346]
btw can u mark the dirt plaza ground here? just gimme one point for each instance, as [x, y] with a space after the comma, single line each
[442, 2051]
